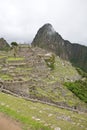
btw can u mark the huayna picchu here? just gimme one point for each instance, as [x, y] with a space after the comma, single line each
[50, 40]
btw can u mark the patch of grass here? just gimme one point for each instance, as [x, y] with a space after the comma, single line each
[63, 70]
[82, 73]
[5, 77]
[79, 88]
[15, 59]
[58, 95]
[35, 116]
[1, 57]
[26, 120]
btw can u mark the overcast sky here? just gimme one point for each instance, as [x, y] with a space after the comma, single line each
[21, 19]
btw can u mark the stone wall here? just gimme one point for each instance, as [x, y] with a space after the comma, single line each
[18, 87]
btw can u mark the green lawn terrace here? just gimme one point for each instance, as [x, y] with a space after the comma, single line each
[28, 75]
[38, 116]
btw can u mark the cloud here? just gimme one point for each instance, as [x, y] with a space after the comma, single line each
[21, 19]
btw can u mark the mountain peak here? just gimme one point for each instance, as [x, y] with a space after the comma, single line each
[48, 28]
[3, 44]
[50, 40]
[47, 25]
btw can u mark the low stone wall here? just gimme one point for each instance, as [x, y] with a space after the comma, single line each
[45, 102]
[2, 60]
[18, 87]
[22, 88]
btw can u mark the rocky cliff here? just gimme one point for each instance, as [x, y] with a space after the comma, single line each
[3, 44]
[49, 39]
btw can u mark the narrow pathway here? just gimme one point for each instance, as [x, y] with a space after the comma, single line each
[7, 123]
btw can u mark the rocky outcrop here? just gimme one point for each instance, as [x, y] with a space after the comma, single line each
[49, 39]
[3, 44]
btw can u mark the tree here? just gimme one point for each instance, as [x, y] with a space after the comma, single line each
[14, 47]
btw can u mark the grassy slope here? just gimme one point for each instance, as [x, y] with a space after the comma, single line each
[36, 116]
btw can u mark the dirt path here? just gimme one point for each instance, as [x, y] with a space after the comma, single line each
[7, 123]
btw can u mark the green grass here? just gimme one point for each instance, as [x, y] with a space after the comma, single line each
[34, 116]
[1, 57]
[63, 70]
[58, 95]
[79, 88]
[15, 59]
[5, 77]
[22, 116]
[82, 73]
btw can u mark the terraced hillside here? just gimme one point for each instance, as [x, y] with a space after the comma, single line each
[28, 75]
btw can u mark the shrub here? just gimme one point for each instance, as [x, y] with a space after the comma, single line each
[79, 88]
[50, 61]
